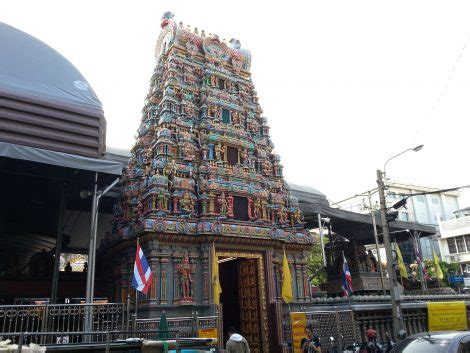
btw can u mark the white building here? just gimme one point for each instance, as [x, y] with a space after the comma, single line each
[454, 240]
[427, 209]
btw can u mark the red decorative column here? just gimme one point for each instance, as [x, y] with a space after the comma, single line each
[307, 295]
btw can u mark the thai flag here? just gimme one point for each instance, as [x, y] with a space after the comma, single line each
[142, 272]
[347, 279]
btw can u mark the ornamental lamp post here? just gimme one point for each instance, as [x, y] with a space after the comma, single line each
[395, 294]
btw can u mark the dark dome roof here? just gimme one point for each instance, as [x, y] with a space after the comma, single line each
[32, 70]
[308, 195]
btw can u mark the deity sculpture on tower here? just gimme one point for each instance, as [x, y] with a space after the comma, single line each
[185, 270]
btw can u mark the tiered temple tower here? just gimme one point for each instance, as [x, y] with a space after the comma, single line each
[203, 171]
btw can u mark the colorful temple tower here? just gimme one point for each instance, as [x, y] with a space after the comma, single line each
[203, 172]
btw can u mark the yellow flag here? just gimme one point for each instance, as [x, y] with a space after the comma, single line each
[286, 281]
[216, 288]
[439, 273]
[401, 264]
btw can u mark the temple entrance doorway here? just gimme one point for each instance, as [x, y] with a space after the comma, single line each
[243, 298]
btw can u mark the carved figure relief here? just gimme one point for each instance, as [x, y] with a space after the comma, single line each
[162, 201]
[223, 204]
[282, 215]
[219, 152]
[185, 270]
[257, 209]
[244, 158]
[188, 151]
[186, 203]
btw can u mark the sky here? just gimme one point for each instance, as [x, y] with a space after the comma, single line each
[344, 84]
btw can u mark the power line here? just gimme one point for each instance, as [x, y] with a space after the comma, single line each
[451, 76]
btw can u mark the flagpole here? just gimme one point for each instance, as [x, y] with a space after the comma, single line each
[136, 301]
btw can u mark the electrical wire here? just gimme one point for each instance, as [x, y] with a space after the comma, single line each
[449, 79]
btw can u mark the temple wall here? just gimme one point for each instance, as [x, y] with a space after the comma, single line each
[165, 257]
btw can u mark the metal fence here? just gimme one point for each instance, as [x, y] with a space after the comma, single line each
[110, 340]
[185, 326]
[59, 318]
[339, 324]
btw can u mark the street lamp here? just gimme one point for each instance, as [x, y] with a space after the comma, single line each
[414, 149]
[395, 294]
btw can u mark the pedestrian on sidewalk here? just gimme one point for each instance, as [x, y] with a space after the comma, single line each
[371, 346]
[236, 342]
[311, 343]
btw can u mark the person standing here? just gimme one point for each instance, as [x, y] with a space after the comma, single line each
[371, 346]
[311, 343]
[236, 342]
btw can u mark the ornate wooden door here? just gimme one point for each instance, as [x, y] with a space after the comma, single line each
[250, 323]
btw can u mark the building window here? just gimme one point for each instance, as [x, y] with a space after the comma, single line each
[451, 245]
[240, 208]
[420, 198]
[467, 241]
[435, 201]
[226, 116]
[221, 84]
[460, 244]
[232, 155]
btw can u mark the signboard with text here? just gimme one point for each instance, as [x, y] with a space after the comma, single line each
[207, 333]
[447, 316]
[298, 322]
[453, 279]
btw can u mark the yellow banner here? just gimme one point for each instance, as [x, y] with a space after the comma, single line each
[445, 316]
[207, 333]
[298, 322]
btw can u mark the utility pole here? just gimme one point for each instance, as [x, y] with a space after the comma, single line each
[376, 238]
[395, 294]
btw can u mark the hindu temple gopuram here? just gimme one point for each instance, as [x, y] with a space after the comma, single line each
[203, 172]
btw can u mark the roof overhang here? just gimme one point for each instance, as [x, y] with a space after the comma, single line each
[60, 159]
[359, 226]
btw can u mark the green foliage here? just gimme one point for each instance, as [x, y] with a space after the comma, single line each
[449, 268]
[316, 270]
[430, 268]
